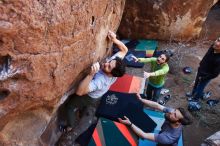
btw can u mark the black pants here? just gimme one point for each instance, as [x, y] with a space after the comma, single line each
[199, 86]
[153, 93]
[78, 104]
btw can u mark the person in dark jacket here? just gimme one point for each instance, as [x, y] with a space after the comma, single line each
[209, 68]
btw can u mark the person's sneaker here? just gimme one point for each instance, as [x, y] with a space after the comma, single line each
[190, 98]
[212, 102]
[164, 100]
[189, 94]
[161, 102]
[164, 91]
[207, 95]
[167, 97]
[194, 106]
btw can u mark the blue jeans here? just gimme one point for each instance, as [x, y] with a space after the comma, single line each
[199, 86]
[153, 93]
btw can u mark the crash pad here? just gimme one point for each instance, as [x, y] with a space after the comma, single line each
[128, 84]
[110, 133]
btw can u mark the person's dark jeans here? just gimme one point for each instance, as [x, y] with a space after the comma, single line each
[77, 104]
[153, 93]
[199, 86]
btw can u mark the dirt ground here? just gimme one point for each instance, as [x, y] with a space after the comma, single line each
[206, 121]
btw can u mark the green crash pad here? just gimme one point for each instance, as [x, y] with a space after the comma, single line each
[144, 45]
[147, 45]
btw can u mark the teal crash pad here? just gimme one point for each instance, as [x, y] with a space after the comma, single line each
[146, 45]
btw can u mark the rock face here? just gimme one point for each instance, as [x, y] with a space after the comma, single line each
[44, 46]
[164, 20]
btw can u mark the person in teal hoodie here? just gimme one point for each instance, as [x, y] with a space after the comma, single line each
[159, 70]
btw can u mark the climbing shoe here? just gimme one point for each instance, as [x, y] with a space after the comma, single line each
[194, 106]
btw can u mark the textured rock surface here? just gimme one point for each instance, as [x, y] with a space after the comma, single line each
[164, 20]
[44, 45]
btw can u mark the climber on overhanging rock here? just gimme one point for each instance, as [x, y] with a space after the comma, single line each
[97, 82]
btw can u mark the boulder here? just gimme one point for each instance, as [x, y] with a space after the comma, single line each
[164, 20]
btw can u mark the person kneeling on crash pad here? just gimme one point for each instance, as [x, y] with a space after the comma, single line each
[171, 130]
